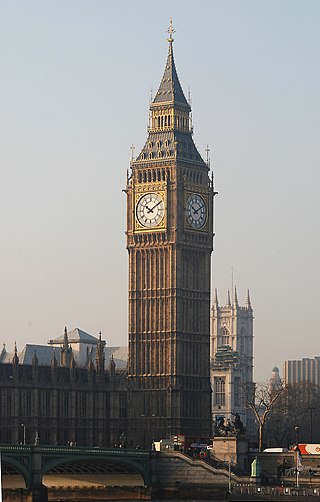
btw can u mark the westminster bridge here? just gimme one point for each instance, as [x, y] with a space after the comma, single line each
[34, 463]
[151, 473]
[136, 473]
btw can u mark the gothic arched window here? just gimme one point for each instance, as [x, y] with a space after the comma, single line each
[223, 338]
[219, 391]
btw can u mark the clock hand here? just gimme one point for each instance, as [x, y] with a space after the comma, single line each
[151, 210]
[197, 210]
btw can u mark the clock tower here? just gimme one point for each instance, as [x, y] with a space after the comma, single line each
[169, 242]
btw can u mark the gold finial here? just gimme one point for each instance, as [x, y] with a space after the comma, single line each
[132, 148]
[208, 152]
[171, 31]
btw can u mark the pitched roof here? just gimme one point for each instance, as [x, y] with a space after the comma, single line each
[44, 354]
[120, 356]
[170, 90]
[75, 336]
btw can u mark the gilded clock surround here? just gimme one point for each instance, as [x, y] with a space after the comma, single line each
[143, 191]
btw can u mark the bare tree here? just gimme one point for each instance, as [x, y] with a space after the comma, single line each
[302, 410]
[262, 400]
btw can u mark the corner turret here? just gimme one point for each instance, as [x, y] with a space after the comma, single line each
[66, 351]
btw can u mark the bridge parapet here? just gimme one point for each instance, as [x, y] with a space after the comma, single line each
[33, 462]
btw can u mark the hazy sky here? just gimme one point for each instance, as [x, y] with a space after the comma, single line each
[75, 84]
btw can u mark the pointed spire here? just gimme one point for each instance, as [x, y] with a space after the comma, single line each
[112, 366]
[229, 301]
[73, 363]
[90, 366]
[35, 360]
[65, 338]
[235, 297]
[100, 358]
[73, 368]
[170, 115]
[215, 298]
[248, 301]
[66, 350]
[3, 352]
[170, 90]
[15, 359]
[35, 363]
[54, 362]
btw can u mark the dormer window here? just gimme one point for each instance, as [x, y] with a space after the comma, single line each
[150, 144]
[158, 144]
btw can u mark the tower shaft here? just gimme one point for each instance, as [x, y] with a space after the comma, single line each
[169, 242]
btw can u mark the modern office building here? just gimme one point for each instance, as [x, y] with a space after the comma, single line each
[301, 371]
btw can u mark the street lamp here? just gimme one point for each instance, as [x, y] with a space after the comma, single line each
[122, 440]
[24, 433]
[311, 411]
[149, 430]
[297, 455]
[311, 472]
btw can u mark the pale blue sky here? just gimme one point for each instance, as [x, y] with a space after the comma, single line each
[74, 92]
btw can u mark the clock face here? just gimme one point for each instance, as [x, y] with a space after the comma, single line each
[196, 211]
[150, 210]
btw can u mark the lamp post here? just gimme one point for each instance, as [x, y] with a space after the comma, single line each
[149, 431]
[145, 430]
[24, 433]
[230, 460]
[297, 455]
[122, 440]
[311, 417]
[310, 475]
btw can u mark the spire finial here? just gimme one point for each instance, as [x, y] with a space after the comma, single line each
[171, 31]
[208, 156]
[132, 148]
[235, 297]
[65, 338]
[248, 302]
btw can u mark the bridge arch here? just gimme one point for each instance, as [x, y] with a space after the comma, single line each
[102, 464]
[18, 467]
